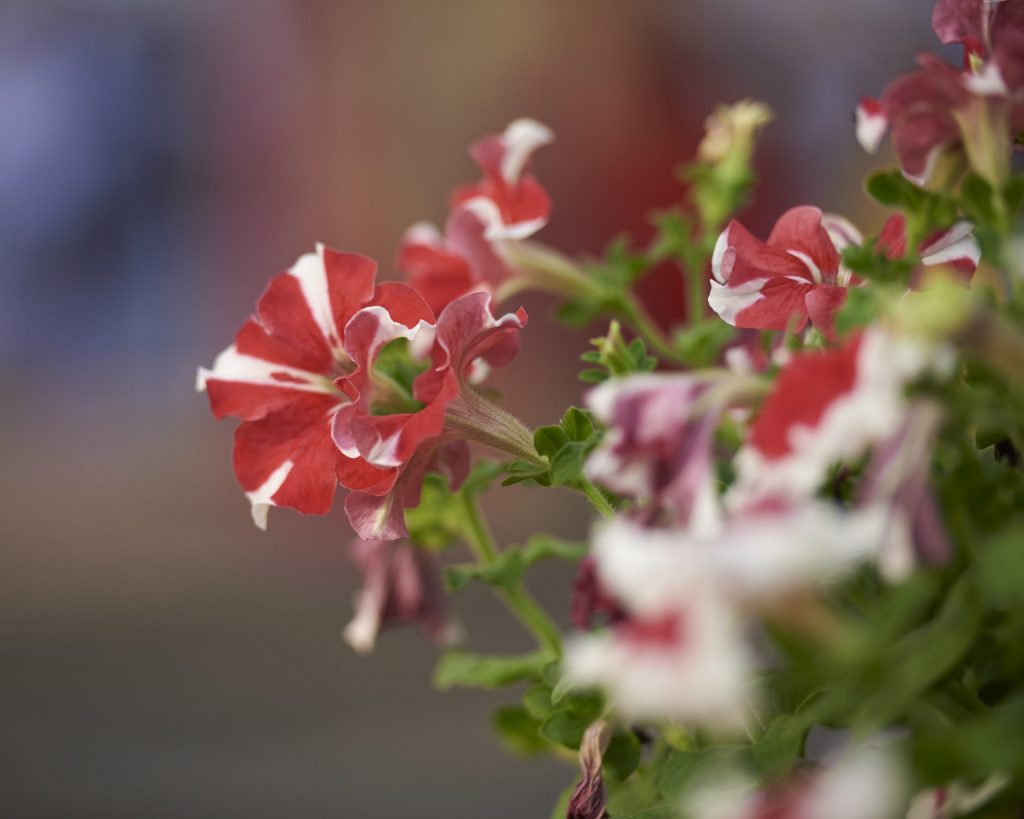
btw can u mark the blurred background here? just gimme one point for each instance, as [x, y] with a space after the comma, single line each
[159, 160]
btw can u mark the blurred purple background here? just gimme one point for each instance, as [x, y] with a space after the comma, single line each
[158, 162]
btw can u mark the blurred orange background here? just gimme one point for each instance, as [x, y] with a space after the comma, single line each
[158, 162]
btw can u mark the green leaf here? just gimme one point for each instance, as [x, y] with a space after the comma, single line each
[1001, 568]
[568, 463]
[701, 344]
[576, 424]
[537, 700]
[859, 310]
[518, 731]
[894, 189]
[565, 727]
[977, 199]
[542, 546]
[775, 753]
[683, 770]
[549, 440]
[505, 571]
[462, 669]
[623, 754]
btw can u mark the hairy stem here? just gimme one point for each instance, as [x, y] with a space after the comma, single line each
[518, 601]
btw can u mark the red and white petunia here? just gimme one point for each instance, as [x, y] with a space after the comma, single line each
[507, 205]
[279, 379]
[940, 108]
[826, 407]
[954, 249]
[430, 436]
[895, 484]
[401, 585]
[798, 275]
[657, 449]
[795, 277]
[687, 662]
[863, 783]
[302, 376]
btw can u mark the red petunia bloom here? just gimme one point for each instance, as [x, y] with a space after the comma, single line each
[317, 411]
[798, 275]
[401, 586]
[827, 407]
[506, 205]
[467, 341]
[940, 107]
[278, 378]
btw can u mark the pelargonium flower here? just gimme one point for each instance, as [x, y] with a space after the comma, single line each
[279, 379]
[506, 205]
[938, 107]
[798, 275]
[401, 586]
[337, 380]
[826, 407]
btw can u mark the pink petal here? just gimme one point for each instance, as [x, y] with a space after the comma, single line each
[823, 304]
[799, 232]
[872, 124]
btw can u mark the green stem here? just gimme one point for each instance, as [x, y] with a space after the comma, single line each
[516, 598]
[696, 287]
[637, 317]
[597, 498]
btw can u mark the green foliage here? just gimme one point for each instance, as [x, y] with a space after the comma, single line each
[518, 731]
[506, 570]
[564, 446]
[438, 520]
[458, 668]
[615, 358]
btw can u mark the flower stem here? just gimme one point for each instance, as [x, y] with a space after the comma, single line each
[597, 498]
[633, 313]
[515, 597]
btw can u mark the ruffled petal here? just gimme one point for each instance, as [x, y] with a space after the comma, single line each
[800, 233]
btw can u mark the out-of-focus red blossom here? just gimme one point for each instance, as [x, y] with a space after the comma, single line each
[591, 601]
[826, 407]
[401, 586]
[301, 378]
[939, 107]
[659, 446]
[798, 275]
[507, 204]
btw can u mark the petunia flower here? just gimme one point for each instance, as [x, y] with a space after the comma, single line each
[686, 662]
[940, 109]
[863, 783]
[896, 484]
[590, 795]
[279, 379]
[507, 205]
[797, 276]
[435, 413]
[658, 446]
[826, 407]
[337, 380]
[401, 586]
